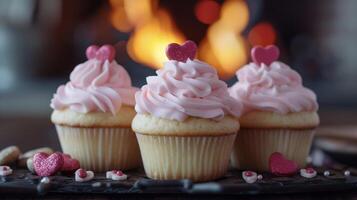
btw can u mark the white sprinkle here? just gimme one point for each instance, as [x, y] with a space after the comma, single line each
[45, 180]
[97, 184]
[260, 177]
[326, 173]
[347, 173]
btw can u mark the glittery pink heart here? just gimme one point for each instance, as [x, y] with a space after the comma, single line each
[182, 52]
[281, 166]
[105, 52]
[69, 163]
[47, 165]
[265, 55]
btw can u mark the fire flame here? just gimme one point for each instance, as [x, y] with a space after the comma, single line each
[148, 42]
[224, 47]
[153, 29]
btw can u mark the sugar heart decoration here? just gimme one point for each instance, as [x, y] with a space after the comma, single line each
[308, 172]
[5, 170]
[47, 165]
[69, 163]
[105, 52]
[116, 175]
[250, 176]
[281, 166]
[182, 52]
[265, 55]
[81, 175]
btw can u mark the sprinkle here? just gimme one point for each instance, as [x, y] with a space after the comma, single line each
[326, 173]
[308, 172]
[97, 184]
[116, 175]
[249, 176]
[5, 170]
[82, 175]
[347, 173]
[45, 180]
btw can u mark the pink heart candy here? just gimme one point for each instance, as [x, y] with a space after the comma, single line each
[69, 163]
[265, 55]
[281, 166]
[182, 52]
[105, 52]
[47, 165]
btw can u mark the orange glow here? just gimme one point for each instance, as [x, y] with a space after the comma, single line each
[262, 34]
[235, 15]
[120, 20]
[207, 11]
[224, 47]
[148, 43]
[139, 11]
[153, 29]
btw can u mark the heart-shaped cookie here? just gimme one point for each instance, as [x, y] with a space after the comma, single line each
[81, 175]
[69, 164]
[265, 55]
[182, 52]
[105, 52]
[47, 165]
[281, 166]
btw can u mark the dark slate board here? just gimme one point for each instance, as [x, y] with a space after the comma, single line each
[25, 183]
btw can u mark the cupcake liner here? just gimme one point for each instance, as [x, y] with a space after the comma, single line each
[253, 147]
[199, 158]
[100, 149]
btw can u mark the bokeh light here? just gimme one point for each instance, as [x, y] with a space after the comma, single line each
[207, 11]
[262, 34]
[224, 47]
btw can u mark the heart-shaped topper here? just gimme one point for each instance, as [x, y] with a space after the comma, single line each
[182, 52]
[105, 52]
[265, 55]
[281, 166]
[47, 165]
[69, 164]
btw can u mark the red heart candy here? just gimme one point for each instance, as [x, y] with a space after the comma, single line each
[182, 52]
[47, 165]
[69, 163]
[265, 55]
[105, 52]
[281, 166]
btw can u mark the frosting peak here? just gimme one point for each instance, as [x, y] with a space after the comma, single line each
[95, 86]
[275, 87]
[183, 89]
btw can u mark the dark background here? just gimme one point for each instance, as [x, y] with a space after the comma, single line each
[41, 41]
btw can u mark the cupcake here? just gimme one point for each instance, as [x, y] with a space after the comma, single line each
[186, 121]
[93, 113]
[279, 113]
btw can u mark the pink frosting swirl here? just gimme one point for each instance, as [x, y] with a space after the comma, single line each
[95, 86]
[183, 89]
[276, 88]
